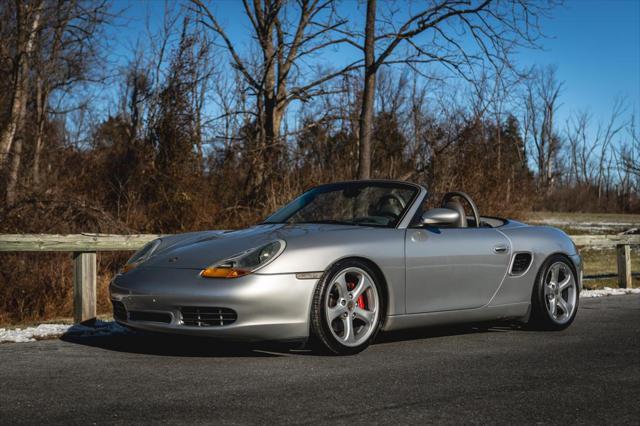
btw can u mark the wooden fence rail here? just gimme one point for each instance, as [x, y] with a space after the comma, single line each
[85, 246]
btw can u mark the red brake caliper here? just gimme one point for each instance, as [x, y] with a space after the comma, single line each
[360, 301]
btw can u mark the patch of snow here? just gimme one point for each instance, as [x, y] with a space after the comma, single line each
[574, 223]
[584, 227]
[608, 291]
[30, 334]
[590, 227]
[48, 331]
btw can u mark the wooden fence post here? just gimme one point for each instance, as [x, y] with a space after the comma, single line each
[624, 266]
[84, 286]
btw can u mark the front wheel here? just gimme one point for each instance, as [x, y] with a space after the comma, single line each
[347, 308]
[556, 295]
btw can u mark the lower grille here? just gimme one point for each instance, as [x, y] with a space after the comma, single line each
[149, 316]
[207, 317]
[119, 311]
[521, 263]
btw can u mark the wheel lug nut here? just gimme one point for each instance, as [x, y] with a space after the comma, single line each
[343, 302]
[350, 296]
[353, 315]
[345, 315]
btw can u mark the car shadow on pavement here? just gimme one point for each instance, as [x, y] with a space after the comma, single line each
[426, 333]
[169, 345]
[147, 343]
[444, 331]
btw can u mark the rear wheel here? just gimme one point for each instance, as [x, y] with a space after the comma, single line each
[347, 308]
[556, 296]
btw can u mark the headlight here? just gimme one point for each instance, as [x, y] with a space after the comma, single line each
[141, 255]
[246, 262]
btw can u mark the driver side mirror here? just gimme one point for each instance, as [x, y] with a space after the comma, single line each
[440, 216]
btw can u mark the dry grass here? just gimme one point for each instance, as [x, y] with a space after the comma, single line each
[586, 223]
[603, 262]
[585, 217]
[595, 261]
[46, 293]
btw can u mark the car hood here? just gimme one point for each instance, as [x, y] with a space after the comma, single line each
[198, 250]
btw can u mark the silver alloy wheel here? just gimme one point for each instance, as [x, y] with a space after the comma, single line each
[352, 306]
[560, 292]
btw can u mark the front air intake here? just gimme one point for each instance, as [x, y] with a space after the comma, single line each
[207, 316]
[521, 263]
[119, 311]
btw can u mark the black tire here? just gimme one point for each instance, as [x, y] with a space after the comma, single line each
[541, 318]
[321, 338]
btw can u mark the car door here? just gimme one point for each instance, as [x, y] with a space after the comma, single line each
[453, 268]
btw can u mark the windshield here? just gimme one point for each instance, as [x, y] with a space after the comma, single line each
[351, 203]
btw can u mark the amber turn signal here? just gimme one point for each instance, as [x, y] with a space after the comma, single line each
[217, 272]
[129, 266]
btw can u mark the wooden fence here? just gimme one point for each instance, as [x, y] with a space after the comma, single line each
[85, 246]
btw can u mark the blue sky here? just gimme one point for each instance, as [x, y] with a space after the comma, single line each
[595, 45]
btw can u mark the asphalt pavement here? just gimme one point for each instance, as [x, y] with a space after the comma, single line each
[589, 373]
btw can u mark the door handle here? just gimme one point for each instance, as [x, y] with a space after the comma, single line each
[500, 249]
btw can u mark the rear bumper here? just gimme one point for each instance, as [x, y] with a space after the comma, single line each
[268, 307]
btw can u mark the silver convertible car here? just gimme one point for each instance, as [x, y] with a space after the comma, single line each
[345, 260]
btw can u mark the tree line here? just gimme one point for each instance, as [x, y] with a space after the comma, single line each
[205, 130]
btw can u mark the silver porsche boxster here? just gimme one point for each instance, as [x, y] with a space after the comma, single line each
[345, 260]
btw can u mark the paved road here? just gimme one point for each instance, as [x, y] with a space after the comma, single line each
[589, 373]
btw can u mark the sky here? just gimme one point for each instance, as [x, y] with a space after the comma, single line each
[595, 45]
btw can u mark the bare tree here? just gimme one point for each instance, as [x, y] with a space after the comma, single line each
[55, 48]
[277, 78]
[630, 155]
[27, 22]
[590, 150]
[447, 29]
[604, 138]
[542, 92]
[579, 153]
[67, 54]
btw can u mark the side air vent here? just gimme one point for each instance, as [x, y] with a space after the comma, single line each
[207, 317]
[520, 264]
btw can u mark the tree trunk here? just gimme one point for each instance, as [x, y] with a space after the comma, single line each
[37, 151]
[17, 101]
[255, 154]
[41, 103]
[268, 128]
[272, 114]
[25, 43]
[14, 169]
[368, 94]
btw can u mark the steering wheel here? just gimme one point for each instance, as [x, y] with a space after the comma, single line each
[397, 199]
[476, 213]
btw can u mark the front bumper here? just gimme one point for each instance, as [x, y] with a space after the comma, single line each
[268, 307]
